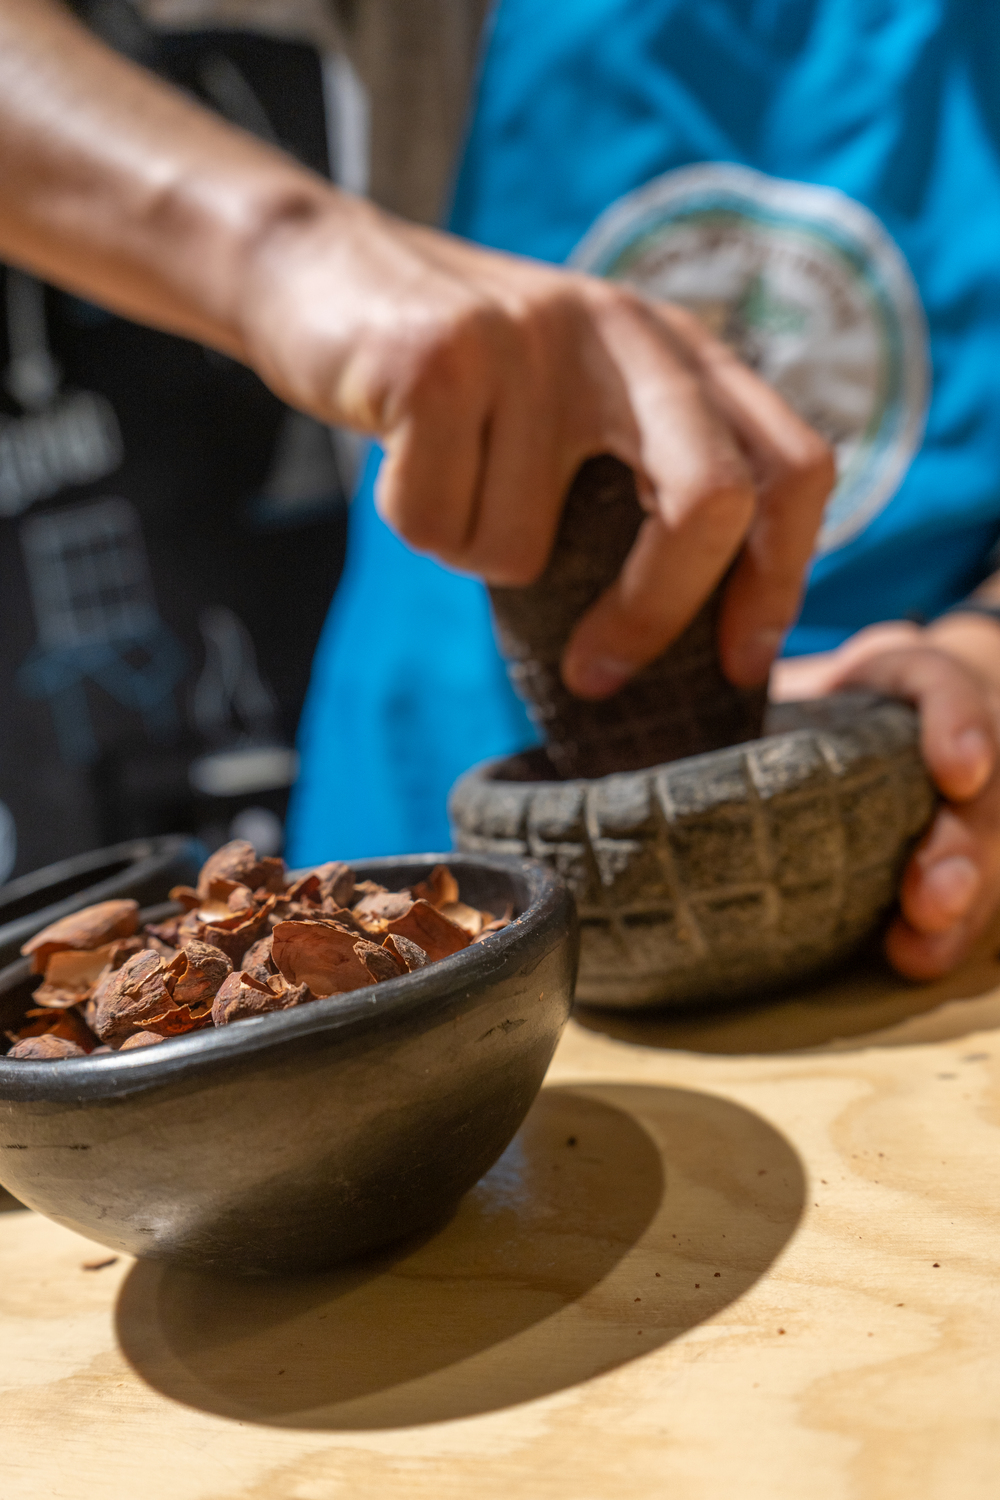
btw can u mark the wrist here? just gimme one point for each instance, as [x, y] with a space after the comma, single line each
[253, 232]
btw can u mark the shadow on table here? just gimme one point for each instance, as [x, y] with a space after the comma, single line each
[866, 1004]
[9, 1204]
[619, 1218]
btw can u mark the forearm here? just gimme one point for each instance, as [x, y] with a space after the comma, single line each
[488, 377]
[120, 188]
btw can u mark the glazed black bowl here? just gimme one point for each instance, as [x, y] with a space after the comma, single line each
[293, 1141]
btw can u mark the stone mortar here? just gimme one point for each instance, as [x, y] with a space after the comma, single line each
[710, 860]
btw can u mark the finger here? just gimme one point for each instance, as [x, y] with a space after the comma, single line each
[794, 471]
[958, 738]
[800, 677]
[944, 876]
[950, 890]
[430, 480]
[541, 430]
[697, 480]
[925, 956]
[665, 578]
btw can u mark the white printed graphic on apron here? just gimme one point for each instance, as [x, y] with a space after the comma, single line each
[809, 289]
[64, 437]
[97, 620]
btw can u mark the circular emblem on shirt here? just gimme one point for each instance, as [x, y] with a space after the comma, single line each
[809, 289]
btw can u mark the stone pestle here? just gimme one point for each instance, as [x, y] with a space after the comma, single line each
[680, 705]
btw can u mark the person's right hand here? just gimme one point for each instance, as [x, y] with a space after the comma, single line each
[490, 378]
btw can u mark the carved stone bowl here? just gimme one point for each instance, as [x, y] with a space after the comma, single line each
[719, 876]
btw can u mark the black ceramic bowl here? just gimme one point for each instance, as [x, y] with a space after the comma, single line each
[297, 1140]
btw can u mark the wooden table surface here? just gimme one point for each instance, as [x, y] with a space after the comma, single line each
[751, 1255]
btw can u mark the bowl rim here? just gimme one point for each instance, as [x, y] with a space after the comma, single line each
[113, 1075]
[847, 707]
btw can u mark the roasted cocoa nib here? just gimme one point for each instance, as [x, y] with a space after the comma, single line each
[248, 941]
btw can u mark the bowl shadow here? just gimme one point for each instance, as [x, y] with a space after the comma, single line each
[619, 1218]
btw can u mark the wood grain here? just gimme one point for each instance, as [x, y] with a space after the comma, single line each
[749, 1253]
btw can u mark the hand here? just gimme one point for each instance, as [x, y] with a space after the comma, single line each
[951, 672]
[490, 378]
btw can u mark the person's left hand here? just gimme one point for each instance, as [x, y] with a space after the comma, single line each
[951, 672]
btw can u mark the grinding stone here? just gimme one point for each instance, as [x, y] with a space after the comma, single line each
[681, 704]
[720, 876]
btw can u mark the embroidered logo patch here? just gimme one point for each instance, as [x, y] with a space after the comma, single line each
[809, 289]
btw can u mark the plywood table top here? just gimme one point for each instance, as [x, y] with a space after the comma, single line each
[750, 1255]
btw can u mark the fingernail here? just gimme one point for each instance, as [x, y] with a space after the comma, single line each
[751, 660]
[973, 747]
[599, 676]
[953, 884]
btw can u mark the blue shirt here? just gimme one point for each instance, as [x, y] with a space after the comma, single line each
[820, 179]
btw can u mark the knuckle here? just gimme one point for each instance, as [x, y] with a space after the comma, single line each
[608, 299]
[517, 565]
[513, 573]
[812, 459]
[725, 501]
[441, 359]
[425, 527]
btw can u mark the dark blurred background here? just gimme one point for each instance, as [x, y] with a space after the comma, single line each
[170, 536]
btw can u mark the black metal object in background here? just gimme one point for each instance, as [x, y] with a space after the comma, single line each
[142, 869]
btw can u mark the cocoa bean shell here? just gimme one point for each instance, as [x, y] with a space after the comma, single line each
[424, 924]
[90, 928]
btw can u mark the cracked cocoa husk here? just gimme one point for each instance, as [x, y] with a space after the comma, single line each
[67, 1024]
[409, 953]
[440, 888]
[87, 929]
[243, 995]
[140, 1039]
[431, 929]
[249, 941]
[46, 1048]
[71, 975]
